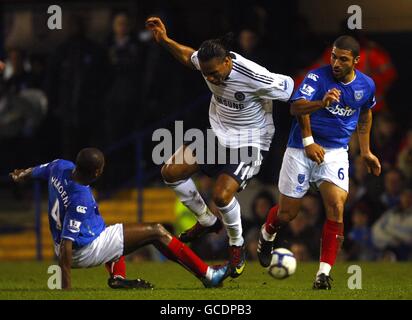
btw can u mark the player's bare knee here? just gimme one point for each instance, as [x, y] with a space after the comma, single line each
[334, 211]
[168, 173]
[159, 230]
[222, 197]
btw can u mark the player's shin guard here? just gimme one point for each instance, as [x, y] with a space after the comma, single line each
[117, 269]
[189, 195]
[232, 220]
[179, 252]
[332, 238]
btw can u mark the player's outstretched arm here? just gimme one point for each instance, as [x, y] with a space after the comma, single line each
[180, 52]
[364, 129]
[65, 262]
[313, 151]
[303, 106]
[21, 175]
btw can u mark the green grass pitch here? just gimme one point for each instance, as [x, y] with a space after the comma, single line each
[28, 280]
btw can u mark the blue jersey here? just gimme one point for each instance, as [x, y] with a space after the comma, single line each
[73, 212]
[333, 126]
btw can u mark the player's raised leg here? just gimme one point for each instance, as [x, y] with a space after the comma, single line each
[138, 235]
[278, 216]
[332, 235]
[224, 197]
[176, 174]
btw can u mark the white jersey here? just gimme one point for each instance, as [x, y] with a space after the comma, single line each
[240, 112]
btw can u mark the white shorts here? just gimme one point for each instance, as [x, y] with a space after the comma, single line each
[298, 171]
[108, 246]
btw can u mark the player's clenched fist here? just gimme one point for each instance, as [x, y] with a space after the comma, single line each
[157, 27]
[333, 95]
[315, 152]
[19, 175]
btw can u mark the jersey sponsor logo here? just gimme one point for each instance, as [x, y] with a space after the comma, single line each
[240, 96]
[74, 226]
[313, 76]
[358, 95]
[307, 89]
[301, 178]
[81, 209]
[228, 103]
[341, 111]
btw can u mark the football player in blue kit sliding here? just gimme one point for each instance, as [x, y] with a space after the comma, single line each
[81, 237]
[330, 104]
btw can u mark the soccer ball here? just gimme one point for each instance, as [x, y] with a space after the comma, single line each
[283, 263]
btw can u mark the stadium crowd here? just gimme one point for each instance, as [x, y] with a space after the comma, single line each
[85, 92]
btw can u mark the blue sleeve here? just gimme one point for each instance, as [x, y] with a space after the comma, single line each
[309, 89]
[75, 215]
[372, 100]
[43, 171]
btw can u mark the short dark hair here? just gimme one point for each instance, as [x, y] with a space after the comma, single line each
[348, 43]
[215, 48]
[88, 160]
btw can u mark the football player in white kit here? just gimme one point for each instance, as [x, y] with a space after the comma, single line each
[240, 115]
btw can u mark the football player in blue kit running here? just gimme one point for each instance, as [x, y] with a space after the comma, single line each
[81, 237]
[330, 104]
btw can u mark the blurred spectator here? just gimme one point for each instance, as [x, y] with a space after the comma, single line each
[313, 207]
[126, 56]
[301, 251]
[393, 231]
[75, 84]
[251, 227]
[371, 185]
[394, 182]
[250, 46]
[300, 230]
[359, 236]
[405, 157]
[22, 109]
[17, 77]
[385, 139]
[358, 196]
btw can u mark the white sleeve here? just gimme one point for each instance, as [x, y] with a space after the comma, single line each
[195, 60]
[280, 88]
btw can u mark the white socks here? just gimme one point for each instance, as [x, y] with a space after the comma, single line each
[267, 236]
[232, 220]
[324, 268]
[187, 193]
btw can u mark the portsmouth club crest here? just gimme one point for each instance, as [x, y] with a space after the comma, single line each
[301, 178]
[358, 95]
[240, 96]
